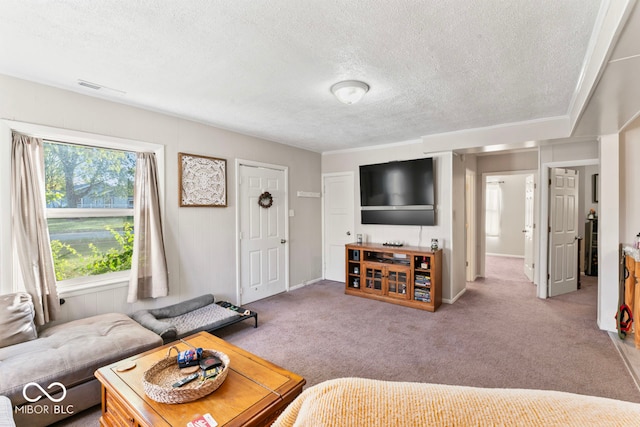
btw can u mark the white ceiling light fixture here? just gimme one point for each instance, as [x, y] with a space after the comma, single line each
[349, 91]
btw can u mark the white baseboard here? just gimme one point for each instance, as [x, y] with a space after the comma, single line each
[455, 298]
[305, 283]
[505, 255]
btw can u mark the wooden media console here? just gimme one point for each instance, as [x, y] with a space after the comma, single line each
[405, 275]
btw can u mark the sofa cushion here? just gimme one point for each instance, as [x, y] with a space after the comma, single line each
[6, 412]
[71, 352]
[16, 318]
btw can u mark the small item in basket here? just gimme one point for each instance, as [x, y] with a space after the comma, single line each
[205, 420]
[189, 357]
[212, 372]
[190, 369]
[210, 362]
[185, 380]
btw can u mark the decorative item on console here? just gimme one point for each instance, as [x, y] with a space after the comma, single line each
[592, 214]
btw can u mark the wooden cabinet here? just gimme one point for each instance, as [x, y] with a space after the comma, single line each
[406, 275]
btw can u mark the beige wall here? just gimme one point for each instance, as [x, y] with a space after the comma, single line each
[201, 242]
[350, 160]
[506, 162]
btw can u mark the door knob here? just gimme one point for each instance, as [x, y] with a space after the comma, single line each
[348, 233]
[283, 241]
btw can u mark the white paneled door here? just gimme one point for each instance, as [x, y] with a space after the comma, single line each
[338, 200]
[563, 231]
[262, 233]
[529, 194]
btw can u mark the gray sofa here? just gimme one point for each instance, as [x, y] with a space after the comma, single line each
[31, 363]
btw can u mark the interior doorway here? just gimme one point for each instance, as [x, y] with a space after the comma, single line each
[509, 207]
[263, 255]
[585, 168]
[563, 231]
[337, 222]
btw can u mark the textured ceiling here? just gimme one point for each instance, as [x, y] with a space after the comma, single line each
[264, 68]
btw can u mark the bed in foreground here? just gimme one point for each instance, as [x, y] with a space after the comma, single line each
[365, 402]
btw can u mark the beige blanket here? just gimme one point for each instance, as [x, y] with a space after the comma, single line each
[364, 402]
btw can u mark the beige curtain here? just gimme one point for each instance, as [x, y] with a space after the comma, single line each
[30, 233]
[149, 278]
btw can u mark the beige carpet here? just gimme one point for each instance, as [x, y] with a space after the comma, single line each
[498, 334]
[630, 355]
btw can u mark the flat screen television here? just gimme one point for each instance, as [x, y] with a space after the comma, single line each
[398, 193]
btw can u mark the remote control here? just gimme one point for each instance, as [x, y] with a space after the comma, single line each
[186, 380]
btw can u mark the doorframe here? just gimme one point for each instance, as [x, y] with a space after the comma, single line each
[534, 236]
[470, 222]
[481, 227]
[543, 235]
[322, 199]
[285, 169]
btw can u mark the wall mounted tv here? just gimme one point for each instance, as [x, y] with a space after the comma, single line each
[399, 193]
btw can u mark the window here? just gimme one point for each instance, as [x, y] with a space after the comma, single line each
[8, 259]
[493, 209]
[89, 199]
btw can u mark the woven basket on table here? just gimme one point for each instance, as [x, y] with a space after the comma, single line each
[157, 381]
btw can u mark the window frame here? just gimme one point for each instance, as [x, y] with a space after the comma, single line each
[52, 134]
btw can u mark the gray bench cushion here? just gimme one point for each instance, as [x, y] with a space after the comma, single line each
[71, 352]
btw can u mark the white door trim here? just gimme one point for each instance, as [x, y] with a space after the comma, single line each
[543, 236]
[285, 170]
[530, 247]
[470, 224]
[325, 175]
[481, 225]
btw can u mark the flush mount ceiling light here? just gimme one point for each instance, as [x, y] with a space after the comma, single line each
[349, 91]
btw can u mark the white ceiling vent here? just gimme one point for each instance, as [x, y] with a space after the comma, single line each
[96, 86]
[89, 84]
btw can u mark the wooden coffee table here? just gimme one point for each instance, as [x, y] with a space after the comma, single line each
[253, 394]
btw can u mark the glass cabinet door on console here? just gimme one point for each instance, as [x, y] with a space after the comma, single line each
[398, 282]
[373, 275]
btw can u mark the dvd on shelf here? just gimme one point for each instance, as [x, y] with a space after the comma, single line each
[422, 280]
[421, 295]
